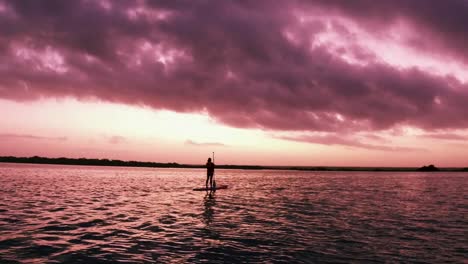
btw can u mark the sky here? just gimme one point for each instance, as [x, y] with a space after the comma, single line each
[303, 83]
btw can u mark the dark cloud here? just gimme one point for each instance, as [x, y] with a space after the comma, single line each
[438, 26]
[246, 63]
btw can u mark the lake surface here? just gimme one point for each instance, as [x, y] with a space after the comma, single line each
[74, 214]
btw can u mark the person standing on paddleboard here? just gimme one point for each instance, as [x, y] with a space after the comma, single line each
[210, 166]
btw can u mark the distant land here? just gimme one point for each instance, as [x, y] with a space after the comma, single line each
[121, 163]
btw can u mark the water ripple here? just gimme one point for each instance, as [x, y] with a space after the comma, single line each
[58, 214]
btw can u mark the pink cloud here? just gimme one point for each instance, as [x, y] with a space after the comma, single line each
[205, 144]
[437, 26]
[247, 64]
[446, 136]
[34, 137]
[116, 139]
[333, 140]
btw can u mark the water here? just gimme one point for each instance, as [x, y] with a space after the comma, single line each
[73, 214]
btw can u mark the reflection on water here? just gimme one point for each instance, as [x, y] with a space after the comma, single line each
[67, 214]
[209, 202]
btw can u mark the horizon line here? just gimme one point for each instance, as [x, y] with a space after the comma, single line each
[82, 161]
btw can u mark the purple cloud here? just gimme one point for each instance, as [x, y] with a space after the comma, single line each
[440, 26]
[235, 60]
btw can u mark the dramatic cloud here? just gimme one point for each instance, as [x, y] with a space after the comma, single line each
[436, 26]
[317, 65]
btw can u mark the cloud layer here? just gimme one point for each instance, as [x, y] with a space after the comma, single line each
[282, 65]
[33, 137]
[204, 144]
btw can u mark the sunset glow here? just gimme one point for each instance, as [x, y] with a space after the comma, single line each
[315, 83]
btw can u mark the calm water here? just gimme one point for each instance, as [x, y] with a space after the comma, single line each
[77, 214]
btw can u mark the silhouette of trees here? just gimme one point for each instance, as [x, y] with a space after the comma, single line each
[121, 163]
[429, 168]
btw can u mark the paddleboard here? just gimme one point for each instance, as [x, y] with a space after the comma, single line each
[209, 189]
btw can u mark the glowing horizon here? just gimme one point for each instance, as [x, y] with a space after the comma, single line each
[318, 83]
[134, 133]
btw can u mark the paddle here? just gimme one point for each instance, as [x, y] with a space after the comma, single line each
[214, 181]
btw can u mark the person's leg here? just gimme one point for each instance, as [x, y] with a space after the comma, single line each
[207, 178]
[211, 180]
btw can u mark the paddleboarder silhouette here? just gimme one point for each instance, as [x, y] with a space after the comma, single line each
[210, 166]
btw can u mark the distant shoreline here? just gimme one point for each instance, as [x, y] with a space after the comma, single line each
[120, 163]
